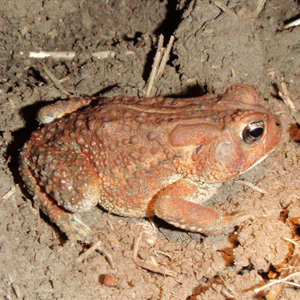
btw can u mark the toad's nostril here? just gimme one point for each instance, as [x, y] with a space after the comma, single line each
[277, 124]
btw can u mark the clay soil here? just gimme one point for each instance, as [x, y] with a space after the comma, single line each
[212, 50]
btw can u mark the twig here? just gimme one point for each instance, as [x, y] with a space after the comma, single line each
[225, 8]
[155, 65]
[55, 81]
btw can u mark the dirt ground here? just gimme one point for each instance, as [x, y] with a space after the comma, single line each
[212, 50]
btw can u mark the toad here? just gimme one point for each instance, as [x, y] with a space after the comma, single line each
[144, 157]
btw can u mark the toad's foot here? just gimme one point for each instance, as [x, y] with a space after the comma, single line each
[59, 109]
[240, 217]
[70, 223]
[226, 223]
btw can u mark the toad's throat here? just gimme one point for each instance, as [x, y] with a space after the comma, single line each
[258, 162]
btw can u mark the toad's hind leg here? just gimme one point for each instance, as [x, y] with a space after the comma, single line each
[63, 197]
[63, 185]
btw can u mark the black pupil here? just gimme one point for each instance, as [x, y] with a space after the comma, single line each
[257, 132]
[253, 131]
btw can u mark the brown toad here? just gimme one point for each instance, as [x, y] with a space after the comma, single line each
[142, 157]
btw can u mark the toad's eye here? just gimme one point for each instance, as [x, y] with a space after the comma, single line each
[253, 131]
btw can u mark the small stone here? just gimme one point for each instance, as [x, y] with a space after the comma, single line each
[109, 280]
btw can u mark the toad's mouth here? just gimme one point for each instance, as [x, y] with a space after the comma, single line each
[257, 162]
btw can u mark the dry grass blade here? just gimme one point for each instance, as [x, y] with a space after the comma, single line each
[288, 273]
[55, 81]
[11, 192]
[251, 185]
[147, 265]
[96, 247]
[155, 65]
[159, 63]
[88, 252]
[69, 55]
[279, 281]
[286, 96]
[165, 57]
[290, 25]
[103, 54]
[225, 8]
[259, 8]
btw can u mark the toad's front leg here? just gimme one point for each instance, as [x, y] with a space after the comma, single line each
[172, 205]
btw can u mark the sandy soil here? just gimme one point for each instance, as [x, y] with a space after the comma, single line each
[212, 50]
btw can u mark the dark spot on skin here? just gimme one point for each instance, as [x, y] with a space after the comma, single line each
[197, 150]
